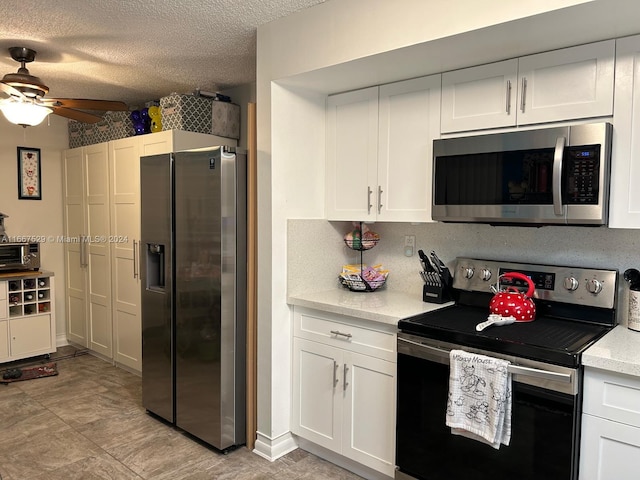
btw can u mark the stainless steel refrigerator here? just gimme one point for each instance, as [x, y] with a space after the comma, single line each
[193, 280]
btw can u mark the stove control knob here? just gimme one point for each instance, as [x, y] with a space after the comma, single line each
[468, 272]
[571, 283]
[594, 286]
[485, 274]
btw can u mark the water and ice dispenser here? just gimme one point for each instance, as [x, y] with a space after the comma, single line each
[155, 267]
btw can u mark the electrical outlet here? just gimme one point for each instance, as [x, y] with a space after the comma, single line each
[409, 245]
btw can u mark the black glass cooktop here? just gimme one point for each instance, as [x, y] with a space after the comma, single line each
[547, 339]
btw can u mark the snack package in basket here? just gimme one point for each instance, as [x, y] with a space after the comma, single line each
[362, 277]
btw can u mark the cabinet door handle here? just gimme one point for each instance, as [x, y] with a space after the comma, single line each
[379, 199]
[335, 373]
[339, 333]
[508, 97]
[369, 200]
[135, 259]
[83, 251]
[344, 378]
[524, 93]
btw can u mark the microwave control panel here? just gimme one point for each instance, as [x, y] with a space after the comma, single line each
[581, 173]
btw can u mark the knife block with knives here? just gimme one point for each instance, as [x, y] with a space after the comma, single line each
[437, 279]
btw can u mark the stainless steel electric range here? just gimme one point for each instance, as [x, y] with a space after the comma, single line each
[575, 307]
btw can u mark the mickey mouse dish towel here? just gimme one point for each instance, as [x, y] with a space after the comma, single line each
[479, 404]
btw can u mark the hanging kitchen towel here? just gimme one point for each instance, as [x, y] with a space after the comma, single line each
[479, 404]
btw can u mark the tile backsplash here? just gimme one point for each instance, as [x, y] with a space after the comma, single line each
[316, 251]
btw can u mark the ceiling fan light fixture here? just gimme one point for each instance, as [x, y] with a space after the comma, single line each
[26, 114]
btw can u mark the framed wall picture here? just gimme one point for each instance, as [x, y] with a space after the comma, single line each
[29, 180]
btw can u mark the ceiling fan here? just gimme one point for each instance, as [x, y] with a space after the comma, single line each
[25, 93]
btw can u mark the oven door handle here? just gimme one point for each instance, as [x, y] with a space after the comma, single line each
[514, 369]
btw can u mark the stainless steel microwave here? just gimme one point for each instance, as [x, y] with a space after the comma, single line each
[19, 256]
[544, 176]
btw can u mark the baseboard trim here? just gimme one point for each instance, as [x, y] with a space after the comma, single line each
[344, 462]
[274, 448]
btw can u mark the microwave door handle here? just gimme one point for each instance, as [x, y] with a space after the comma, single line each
[557, 176]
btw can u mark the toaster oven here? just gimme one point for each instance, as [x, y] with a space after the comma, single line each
[19, 256]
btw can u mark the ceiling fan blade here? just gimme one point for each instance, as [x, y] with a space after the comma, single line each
[84, 117]
[11, 91]
[86, 104]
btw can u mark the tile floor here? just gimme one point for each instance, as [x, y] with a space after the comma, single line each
[88, 423]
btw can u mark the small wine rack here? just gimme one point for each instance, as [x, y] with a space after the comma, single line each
[29, 296]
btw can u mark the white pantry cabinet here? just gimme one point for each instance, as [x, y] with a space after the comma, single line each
[103, 297]
[567, 84]
[27, 316]
[379, 151]
[610, 445]
[86, 249]
[344, 387]
[624, 204]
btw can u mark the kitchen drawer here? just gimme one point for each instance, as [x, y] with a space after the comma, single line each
[349, 333]
[612, 395]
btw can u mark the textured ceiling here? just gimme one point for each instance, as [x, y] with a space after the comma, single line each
[138, 50]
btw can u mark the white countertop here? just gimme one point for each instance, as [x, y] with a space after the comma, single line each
[618, 351]
[382, 306]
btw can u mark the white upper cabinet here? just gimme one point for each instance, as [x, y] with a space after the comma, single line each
[480, 97]
[379, 151]
[409, 114]
[624, 204]
[566, 84]
[352, 155]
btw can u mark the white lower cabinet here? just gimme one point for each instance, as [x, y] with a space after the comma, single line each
[4, 341]
[343, 399]
[610, 445]
[27, 317]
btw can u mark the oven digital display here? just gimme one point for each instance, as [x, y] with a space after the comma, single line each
[542, 280]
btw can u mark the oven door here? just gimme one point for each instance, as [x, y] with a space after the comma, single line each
[545, 421]
[13, 256]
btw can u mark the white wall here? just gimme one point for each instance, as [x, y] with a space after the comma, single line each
[346, 44]
[341, 31]
[40, 218]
